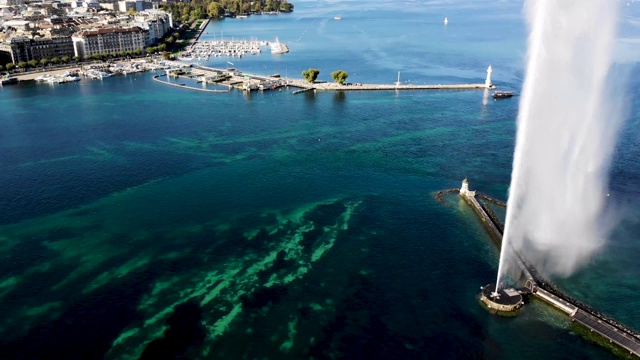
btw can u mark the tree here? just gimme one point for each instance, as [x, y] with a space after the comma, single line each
[33, 63]
[311, 75]
[23, 64]
[76, 58]
[215, 10]
[167, 55]
[339, 76]
[44, 62]
[10, 66]
[55, 61]
[285, 6]
[1, 67]
[138, 52]
[65, 59]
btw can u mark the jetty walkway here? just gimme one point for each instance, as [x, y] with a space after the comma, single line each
[328, 86]
[238, 77]
[183, 86]
[591, 319]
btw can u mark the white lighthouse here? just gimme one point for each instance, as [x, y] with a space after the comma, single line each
[464, 189]
[487, 82]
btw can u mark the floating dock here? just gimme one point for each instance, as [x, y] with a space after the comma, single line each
[591, 319]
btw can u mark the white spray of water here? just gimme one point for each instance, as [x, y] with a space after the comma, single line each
[567, 127]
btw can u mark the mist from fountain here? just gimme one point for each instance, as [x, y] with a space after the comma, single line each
[567, 127]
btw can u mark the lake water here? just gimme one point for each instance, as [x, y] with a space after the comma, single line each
[139, 219]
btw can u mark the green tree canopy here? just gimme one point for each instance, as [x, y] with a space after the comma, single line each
[311, 75]
[285, 6]
[339, 76]
[76, 58]
[55, 61]
[44, 62]
[1, 67]
[138, 52]
[215, 10]
[23, 64]
[32, 63]
[10, 66]
[65, 59]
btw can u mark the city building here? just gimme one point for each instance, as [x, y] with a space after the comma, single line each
[109, 40]
[18, 48]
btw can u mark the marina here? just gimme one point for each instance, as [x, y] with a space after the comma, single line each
[205, 50]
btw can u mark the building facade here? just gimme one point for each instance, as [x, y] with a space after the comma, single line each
[49, 48]
[158, 23]
[17, 49]
[109, 40]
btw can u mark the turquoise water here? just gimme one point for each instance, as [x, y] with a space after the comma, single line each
[138, 218]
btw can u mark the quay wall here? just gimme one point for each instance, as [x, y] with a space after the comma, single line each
[558, 303]
[156, 78]
[201, 30]
[578, 311]
[486, 220]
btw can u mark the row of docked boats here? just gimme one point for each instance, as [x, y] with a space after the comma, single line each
[6, 80]
[67, 77]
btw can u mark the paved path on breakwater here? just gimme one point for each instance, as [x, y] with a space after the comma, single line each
[238, 77]
[606, 327]
[327, 86]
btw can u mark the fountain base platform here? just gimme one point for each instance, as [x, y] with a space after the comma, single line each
[506, 300]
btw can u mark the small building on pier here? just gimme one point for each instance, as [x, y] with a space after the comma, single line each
[464, 189]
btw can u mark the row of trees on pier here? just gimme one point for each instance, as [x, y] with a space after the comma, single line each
[202, 9]
[339, 76]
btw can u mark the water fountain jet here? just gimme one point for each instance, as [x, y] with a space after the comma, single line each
[565, 138]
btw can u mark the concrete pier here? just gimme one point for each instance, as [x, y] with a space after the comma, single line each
[238, 76]
[579, 312]
[157, 78]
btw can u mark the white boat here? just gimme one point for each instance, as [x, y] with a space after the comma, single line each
[446, 21]
[337, 18]
[44, 78]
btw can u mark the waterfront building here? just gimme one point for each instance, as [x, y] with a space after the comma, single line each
[109, 40]
[17, 49]
[49, 48]
[14, 50]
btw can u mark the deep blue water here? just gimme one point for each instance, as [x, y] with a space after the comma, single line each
[139, 219]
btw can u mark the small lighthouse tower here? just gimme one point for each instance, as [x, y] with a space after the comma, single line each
[487, 82]
[464, 189]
